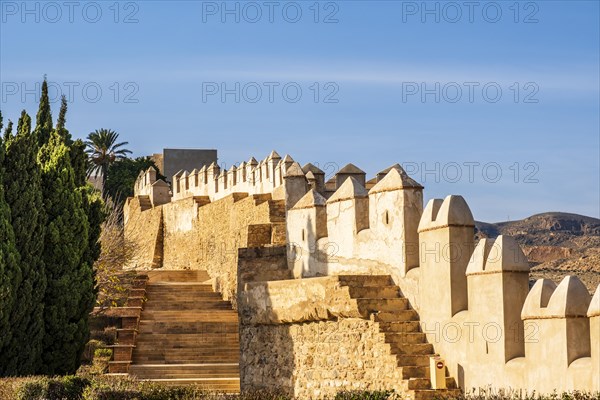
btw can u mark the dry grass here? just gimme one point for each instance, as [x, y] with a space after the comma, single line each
[112, 279]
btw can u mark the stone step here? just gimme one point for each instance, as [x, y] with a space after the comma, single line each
[136, 292]
[118, 367]
[126, 336]
[198, 295]
[377, 305]
[404, 360]
[185, 348]
[226, 385]
[185, 359]
[425, 383]
[190, 316]
[396, 316]
[135, 301]
[170, 371]
[200, 327]
[186, 305]
[371, 292]
[415, 372]
[177, 276]
[365, 280]
[402, 326]
[404, 337]
[148, 344]
[186, 334]
[178, 287]
[415, 349]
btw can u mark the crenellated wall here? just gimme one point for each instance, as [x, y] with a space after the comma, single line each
[473, 299]
[470, 296]
[252, 177]
[482, 317]
[157, 190]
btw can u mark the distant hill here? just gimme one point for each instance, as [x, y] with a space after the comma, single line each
[556, 244]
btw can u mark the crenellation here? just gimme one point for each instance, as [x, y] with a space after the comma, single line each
[561, 334]
[593, 314]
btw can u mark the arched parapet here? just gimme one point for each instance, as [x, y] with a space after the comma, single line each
[557, 331]
[502, 254]
[453, 211]
[537, 299]
[446, 242]
[498, 284]
[593, 314]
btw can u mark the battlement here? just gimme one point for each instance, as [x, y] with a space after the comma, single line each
[252, 177]
[157, 190]
[473, 299]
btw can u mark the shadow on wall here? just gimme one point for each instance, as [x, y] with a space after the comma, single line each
[266, 351]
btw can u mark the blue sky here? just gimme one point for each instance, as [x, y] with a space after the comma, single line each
[457, 93]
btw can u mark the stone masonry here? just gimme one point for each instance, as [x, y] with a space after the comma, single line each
[353, 283]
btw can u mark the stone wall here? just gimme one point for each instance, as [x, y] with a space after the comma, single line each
[317, 359]
[193, 234]
[144, 229]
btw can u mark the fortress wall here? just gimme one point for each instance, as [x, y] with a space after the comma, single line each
[500, 333]
[208, 237]
[316, 359]
[143, 228]
[359, 232]
[306, 337]
[469, 299]
[474, 301]
[195, 234]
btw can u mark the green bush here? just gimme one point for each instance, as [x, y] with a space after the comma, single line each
[61, 388]
[375, 395]
[102, 353]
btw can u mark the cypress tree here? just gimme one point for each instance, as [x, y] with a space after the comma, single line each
[8, 130]
[62, 120]
[70, 284]
[23, 193]
[43, 128]
[9, 260]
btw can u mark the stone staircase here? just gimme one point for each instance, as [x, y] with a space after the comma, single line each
[378, 298]
[186, 333]
[145, 203]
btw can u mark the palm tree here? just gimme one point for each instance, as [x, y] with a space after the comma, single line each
[103, 151]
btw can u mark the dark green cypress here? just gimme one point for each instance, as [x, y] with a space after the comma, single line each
[70, 282]
[43, 121]
[23, 193]
[9, 259]
[62, 120]
[8, 130]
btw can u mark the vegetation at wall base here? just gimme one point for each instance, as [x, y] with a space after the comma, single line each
[123, 388]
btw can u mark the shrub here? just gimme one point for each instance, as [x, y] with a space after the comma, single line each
[62, 388]
[102, 353]
[359, 395]
[90, 350]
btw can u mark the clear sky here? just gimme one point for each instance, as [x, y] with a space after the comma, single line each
[457, 92]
